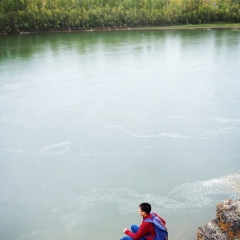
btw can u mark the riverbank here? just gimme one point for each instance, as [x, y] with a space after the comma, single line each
[217, 26]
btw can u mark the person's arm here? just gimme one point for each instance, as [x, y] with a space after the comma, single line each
[142, 231]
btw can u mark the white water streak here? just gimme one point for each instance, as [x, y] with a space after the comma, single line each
[223, 120]
[170, 135]
[14, 121]
[158, 135]
[14, 150]
[58, 148]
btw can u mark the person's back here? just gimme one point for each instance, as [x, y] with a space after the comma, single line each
[159, 226]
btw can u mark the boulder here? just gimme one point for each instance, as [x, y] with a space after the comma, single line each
[226, 225]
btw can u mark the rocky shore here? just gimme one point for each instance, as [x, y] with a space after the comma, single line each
[226, 225]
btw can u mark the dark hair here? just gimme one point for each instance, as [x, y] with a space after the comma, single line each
[145, 207]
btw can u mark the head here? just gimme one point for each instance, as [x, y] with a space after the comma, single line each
[144, 209]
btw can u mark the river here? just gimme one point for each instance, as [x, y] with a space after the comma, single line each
[94, 123]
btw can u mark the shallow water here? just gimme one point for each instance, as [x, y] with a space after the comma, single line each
[92, 124]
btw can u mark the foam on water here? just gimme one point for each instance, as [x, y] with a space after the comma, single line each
[163, 134]
[14, 150]
[227, 127]
[199, 194]
[185, 197]
[33, 234]
[58, 148]
[223, 120]
[222, 131]
[4, 120]
[158, 135]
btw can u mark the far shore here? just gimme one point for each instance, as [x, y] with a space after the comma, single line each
[216, 26]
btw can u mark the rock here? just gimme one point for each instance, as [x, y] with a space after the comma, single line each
[226, 225]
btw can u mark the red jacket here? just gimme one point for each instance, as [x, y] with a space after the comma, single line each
[145, 229]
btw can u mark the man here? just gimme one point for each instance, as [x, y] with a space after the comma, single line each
[146, 231]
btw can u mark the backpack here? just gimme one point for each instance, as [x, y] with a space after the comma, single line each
[161, 231]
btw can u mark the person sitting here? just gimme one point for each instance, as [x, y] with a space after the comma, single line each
[146, 231]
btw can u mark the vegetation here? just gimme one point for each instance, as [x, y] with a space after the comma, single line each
[43, 15]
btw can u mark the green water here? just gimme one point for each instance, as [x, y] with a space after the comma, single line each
[94, 123]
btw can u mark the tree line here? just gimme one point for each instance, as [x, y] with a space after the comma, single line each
[45, 15]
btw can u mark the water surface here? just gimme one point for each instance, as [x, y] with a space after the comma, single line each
[92, 124]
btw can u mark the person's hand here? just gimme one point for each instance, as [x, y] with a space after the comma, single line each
[125, 229]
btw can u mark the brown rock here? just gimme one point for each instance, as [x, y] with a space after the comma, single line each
[226, 225]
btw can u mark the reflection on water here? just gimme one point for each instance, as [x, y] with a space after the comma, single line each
[94, 123]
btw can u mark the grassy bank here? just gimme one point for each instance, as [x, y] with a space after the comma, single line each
[217, 26]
